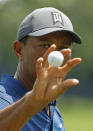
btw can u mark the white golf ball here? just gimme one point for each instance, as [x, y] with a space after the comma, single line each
[55, 58]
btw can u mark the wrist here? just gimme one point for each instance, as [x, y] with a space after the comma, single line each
[34, 105]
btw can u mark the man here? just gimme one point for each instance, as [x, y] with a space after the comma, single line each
[28, 99]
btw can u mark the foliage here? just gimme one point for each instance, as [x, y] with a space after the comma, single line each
[77, 113]
[81, 14]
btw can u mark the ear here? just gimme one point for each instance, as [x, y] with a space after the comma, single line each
[18, 49]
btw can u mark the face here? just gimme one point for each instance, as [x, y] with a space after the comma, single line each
[36, 47]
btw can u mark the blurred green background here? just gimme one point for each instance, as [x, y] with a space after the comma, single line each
[76, 105]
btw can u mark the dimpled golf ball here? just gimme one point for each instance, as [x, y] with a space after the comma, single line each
[55, 58]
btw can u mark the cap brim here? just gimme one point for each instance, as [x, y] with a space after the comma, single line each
[75, 37]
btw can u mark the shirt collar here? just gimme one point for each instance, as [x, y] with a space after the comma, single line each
[19, 88]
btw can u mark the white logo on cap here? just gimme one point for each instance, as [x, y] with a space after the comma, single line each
[57, 17]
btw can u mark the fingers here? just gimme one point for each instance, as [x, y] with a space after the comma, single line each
[39, 69]
[65, 69]
[67, 55]
[68, 66]
[71, 63]
[52, 48]
[66, 51]
[70, 82]
[67, 84]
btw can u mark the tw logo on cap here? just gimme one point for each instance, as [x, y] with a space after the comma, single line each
[57, 18]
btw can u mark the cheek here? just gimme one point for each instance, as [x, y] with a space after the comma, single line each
[31, 56]
[30, 61]
[39, 53]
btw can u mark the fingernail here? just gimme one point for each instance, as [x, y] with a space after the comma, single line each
[76, 81]
[54, 45]
[40, 59]
[80, 59]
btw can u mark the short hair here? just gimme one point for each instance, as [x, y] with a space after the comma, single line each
[24, 40]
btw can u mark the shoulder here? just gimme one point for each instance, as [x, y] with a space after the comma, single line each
[5, 98]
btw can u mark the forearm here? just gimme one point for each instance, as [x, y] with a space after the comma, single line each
[13, 117]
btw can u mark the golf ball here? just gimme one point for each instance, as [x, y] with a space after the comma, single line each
[55, 58]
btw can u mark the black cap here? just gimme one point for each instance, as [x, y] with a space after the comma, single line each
[46, 20]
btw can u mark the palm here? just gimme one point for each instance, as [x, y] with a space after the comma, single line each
[50, 81]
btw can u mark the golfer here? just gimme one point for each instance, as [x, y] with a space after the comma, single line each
[28, 98]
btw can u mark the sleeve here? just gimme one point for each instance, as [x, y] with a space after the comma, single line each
[3, 103]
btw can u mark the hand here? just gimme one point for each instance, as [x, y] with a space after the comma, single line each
[50, 83]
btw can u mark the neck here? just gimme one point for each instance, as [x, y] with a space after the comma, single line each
[25, 78]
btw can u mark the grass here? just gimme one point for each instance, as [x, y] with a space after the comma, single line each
[77, 113]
